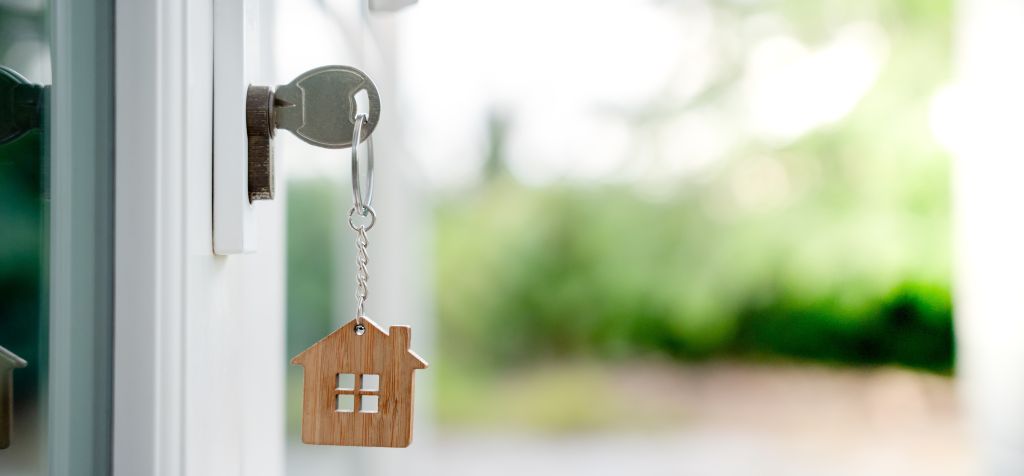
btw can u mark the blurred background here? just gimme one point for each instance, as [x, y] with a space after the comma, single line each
[702, 237]
[25, 47]
[663, 237]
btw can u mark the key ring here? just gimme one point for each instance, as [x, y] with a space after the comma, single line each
[361, 206]
[359, 202]
[367, 213]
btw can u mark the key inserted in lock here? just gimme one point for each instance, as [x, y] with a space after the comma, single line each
[319, 107]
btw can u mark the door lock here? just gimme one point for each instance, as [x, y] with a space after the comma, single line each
[319, 106]
[21, 105]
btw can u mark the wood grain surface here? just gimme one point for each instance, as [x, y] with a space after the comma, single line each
[376, 352]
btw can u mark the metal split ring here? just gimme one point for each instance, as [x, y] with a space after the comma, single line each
[360, 202]
[367, 213]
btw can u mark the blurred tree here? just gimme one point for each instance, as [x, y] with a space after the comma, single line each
[834, 246]
[310, 254]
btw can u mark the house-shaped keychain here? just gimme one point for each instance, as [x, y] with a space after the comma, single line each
[358, 387]
[8, 362]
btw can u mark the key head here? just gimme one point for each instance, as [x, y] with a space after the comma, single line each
[319, 106]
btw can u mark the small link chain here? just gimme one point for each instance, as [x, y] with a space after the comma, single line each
[361, 223]
[362, 272]
[361, 217]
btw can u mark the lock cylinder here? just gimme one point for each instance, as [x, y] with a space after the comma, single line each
[259, 125]
[319, 107]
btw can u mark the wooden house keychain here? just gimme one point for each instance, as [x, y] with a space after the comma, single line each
[358, 381]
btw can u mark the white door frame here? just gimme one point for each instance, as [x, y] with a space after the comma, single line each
[989, 228]
[198, 338]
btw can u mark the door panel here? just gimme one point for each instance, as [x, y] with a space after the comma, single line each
[199, 368]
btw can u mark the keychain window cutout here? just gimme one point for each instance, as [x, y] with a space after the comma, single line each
[353, 393]
[368, 404]
[346, 382]
[344, 403]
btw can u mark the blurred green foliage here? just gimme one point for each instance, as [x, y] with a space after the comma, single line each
[22, 213]
[527, 274]
[311, 215]
[847, 260]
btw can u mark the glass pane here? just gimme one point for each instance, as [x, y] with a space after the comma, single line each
[24, 48]
[56, 213]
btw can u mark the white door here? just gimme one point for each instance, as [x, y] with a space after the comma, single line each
[199, 361]
[198, 341]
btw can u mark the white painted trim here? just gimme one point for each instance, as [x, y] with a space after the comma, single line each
[236, 62]
[199, 338]
[148, 246]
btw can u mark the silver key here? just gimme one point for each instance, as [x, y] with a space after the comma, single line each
[319, 106]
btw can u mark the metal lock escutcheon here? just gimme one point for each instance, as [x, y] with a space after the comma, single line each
[319, 106]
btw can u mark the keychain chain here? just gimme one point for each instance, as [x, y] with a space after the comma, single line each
[362, 271]
[361, 207]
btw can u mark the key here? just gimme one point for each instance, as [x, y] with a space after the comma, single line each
[319, 107]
